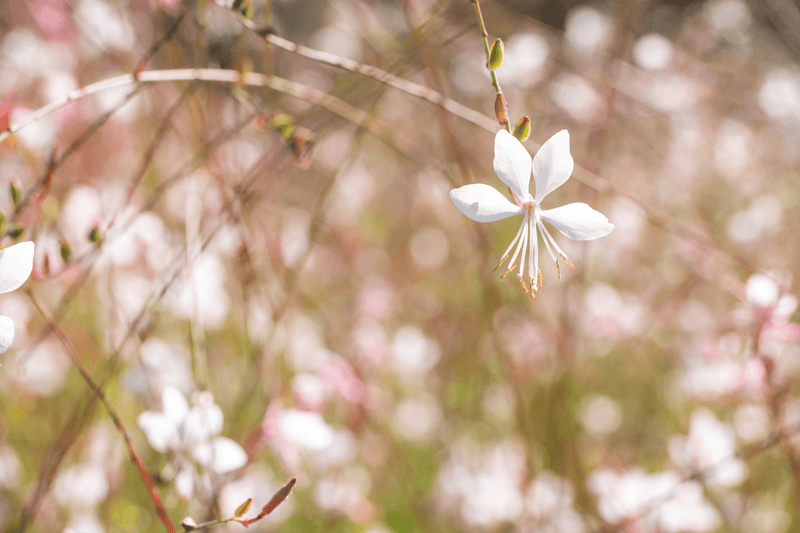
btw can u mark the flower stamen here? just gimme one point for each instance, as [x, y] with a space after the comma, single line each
[501, 262]
[513, 266]
[522, 282]
[539, 276]
[566, 260]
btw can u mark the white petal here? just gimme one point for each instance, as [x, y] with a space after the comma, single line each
[16, 263]
[221, 455]
[160, 430]
[6, 333]
[578, 221]
[203, 422]
[174, 405]
[184, 481]
[483, 203]
[552, 164]
[512, 162]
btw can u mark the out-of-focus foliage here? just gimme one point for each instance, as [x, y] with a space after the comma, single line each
[268, 291]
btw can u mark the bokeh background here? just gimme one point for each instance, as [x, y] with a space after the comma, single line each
[274, 284]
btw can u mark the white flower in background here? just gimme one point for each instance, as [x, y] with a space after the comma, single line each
[187, 432]
[16, 264]
[551, 167]
[709, 450]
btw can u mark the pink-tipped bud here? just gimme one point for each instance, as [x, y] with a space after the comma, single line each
[501, 109]
[522, 129]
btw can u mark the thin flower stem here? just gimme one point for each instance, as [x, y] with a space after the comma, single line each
[206, 525]
[137, 460]
[485, 37]
[233, 77]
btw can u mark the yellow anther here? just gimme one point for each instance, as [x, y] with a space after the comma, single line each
[533, 286]
[507, 271]
[558, 269]
[500, 263]
[566, 260]
[539, 278]
[522, 282]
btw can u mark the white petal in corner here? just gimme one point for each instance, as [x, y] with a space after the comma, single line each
[512, 163]
[6, 333]
[552, 164]
[578, 221]
[16, 263]
[483, 203]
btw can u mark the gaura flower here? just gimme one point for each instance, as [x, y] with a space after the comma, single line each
[551, 167]
[16, 264]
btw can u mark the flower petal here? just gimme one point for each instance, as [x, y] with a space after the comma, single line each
[16, 263]
[174, 405]
[6, 333]
[512, 163]
[221, 455]
[578, 221]
[161, 432]
[552, 164]
[483, 203]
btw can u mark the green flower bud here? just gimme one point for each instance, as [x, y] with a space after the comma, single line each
[66, 250]
[522, 129]
[496, 54]
[243, 508]
[16, 191]
[15, 231]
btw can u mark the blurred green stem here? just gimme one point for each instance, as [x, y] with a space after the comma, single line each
[485, 37]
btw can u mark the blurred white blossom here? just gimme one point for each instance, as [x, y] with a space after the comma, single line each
[189, 434]
[709, 449]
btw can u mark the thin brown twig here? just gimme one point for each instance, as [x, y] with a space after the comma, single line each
[137, 460]
[419, 91]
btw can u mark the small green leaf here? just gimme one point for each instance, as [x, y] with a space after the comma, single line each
[496, 54]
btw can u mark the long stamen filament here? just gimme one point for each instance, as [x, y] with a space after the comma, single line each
[555, 244]
[524, 238]
[533, 254]
[505, 254]
[546, 240]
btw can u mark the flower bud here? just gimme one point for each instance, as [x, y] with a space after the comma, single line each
[243, 508]
[15, 231]
[501, 108]
[495, 55]
[95, 236]
[245, 7]
[16, 191]
[189, 524]
[65, 249]
[522, 129]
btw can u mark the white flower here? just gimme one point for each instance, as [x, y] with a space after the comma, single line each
[184, 431]
[16, 264]
[551, 167]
